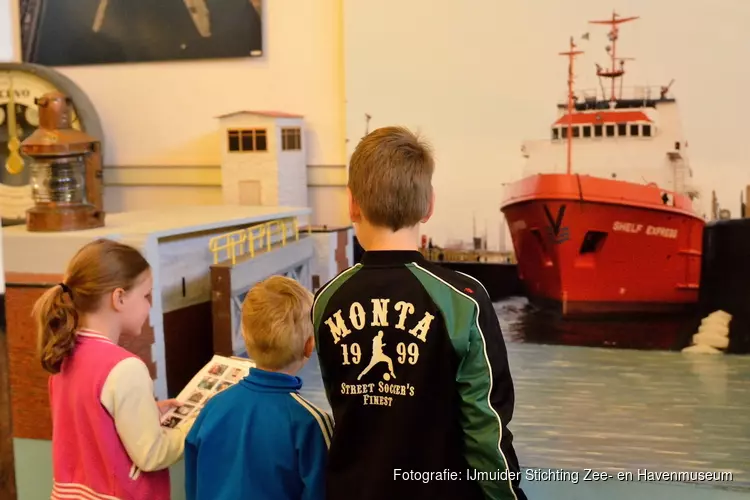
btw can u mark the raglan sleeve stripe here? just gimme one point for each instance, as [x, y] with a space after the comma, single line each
[486, 389]
[323, 420]
[483, 378]
[327, 418]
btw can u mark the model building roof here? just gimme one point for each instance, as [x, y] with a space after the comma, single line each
[604, 117]
[270, 114]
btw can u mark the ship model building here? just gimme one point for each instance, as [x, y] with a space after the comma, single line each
[603, 219]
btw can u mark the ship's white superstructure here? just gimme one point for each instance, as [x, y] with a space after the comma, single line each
[639, 140]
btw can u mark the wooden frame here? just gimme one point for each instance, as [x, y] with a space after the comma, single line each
[246, 140]
[7, 465]
[291, 139]
[230, 282]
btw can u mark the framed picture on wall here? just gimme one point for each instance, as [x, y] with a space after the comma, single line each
[88, 32]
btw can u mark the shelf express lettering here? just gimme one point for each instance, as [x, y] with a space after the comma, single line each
[631, 227]
[382, 360]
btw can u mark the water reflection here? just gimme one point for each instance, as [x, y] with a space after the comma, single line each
[522, 322]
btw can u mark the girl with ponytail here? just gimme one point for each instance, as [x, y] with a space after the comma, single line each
[107, 440]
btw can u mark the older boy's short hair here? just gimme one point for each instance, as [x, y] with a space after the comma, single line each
[276, 322]
[390, 177]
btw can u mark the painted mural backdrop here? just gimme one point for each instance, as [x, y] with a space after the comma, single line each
[81, 32]
[480, 80]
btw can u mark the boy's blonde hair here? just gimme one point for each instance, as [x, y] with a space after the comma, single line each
[390, 177]
[276, 322]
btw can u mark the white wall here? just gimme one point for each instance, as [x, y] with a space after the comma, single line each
[8, 29]
[164, 113]
[479, 77]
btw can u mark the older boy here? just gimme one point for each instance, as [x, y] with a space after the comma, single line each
[260, 438]
[411, 354]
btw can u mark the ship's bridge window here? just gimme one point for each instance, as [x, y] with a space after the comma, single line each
[564, 132]
[576, 131]
[646, 131]
[610, 130]
[587, 130]
[555, 133]
[634, 129]
[622, 129]
[598, 130]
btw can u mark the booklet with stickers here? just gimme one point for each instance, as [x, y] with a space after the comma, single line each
[218, 374]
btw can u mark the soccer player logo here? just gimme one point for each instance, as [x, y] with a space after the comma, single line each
[378, 356]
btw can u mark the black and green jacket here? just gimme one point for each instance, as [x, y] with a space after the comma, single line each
[416, 371]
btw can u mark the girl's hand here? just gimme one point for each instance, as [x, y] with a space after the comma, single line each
[167, 404]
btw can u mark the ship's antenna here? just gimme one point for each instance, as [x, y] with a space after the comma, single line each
[572, 53]
[613, 72]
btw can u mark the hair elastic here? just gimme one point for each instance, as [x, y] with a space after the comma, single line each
[66, 289]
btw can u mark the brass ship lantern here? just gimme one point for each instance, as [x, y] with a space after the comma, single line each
[66, 171]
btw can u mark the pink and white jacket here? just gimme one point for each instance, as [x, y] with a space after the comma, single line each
[106, 431]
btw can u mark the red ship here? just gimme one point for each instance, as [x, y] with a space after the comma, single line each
[618, 233]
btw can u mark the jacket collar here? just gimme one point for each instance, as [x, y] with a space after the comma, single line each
[84, 333]
[271, 381]
[391, 257]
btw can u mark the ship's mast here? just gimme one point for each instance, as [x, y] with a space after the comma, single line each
[572, 53]
[613, 72]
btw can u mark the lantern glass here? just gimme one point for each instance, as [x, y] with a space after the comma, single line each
[59, 180]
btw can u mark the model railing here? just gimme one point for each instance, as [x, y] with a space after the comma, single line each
[257, 238]
[636, 93]
[452, 255]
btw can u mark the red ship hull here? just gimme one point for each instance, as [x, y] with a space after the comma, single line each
[594, 246]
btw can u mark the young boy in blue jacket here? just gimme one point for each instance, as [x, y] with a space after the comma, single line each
[259, 438]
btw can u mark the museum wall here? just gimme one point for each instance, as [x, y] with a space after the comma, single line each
[479, 77]
[7, 30]
[163, 114]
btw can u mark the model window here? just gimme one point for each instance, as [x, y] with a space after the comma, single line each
[291, 139]
[634, 130]
[622, 129]
[610, 130]
[646, 131]
[576, 131]
[598, 130]
[243, 140]
[555, 133]
[564, 132]
[587, 130]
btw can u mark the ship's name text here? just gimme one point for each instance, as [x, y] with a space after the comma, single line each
[632, 227]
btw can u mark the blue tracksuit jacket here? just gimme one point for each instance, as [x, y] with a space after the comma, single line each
[258, 439]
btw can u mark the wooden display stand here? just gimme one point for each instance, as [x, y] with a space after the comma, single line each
[334, 252]
[7, 467]
[177, 340]
[230, 283]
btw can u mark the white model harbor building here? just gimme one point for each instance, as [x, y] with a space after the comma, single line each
[263, 159]
[264, 162]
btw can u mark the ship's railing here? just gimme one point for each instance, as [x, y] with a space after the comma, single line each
[635, 92]
[452, 255]
[248, 241]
